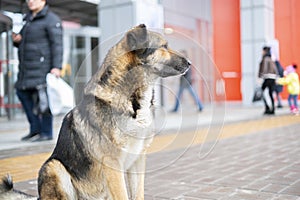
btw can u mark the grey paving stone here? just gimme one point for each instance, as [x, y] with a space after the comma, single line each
[274, 188]
[292, 190]
[285, 197]
[261, 166]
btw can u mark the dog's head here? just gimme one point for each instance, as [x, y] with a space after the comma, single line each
[154, 53]
[136, 61]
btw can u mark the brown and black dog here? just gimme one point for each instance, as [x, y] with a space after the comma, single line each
[102, 144]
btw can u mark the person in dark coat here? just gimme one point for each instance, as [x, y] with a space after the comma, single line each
[40, 52]
[186, 83]
[279, 88]
[268, 72]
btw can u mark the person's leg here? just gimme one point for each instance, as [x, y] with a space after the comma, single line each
[263, 87]
[27, 101]
[271, 87]
[296, 101]
[295, 104]
[47, 124]
[279, 101]
[296, 109]
[195, 97]
[290, 102]
[178, 96]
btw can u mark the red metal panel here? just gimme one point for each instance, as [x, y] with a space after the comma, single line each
[227, 48]
[287, 31]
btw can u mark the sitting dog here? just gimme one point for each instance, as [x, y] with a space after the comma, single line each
[102, 144]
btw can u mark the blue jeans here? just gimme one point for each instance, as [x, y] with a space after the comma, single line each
[38, 123]
[192, 92]
[294, 98]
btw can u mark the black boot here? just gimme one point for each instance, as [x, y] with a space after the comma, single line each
[29, 136]
[270, 112]
[267, 110]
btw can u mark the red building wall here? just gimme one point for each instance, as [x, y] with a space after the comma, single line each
[227, 45]
[226, 39]
[287, 31]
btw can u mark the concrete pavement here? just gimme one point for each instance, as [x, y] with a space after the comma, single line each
[261, 166]
[165, 121]
[230, 152]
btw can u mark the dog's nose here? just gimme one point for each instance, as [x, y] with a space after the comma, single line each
[189, 62]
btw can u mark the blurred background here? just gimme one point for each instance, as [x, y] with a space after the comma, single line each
[223, 39]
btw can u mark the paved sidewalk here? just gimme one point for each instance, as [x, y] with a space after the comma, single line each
[262, 165]
[165, 122]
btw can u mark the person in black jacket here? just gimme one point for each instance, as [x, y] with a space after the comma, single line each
[279, 88]
[40, 52]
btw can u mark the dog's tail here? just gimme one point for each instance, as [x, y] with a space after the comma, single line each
[7, 191]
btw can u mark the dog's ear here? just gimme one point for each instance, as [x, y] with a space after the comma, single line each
[137, 38]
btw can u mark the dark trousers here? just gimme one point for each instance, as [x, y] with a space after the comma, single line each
[38, 123]
[270, 84]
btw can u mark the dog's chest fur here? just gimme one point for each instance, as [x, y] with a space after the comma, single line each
[138, 130]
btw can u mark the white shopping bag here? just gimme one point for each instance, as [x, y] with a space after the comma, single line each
[60, 95]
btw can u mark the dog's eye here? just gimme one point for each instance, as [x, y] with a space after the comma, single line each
[165, 46]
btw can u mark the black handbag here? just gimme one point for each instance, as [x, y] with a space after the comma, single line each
[258, 94]
[42, 101]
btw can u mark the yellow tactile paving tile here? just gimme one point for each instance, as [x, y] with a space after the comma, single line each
[175, 141]
[26, 167]
[23, 168]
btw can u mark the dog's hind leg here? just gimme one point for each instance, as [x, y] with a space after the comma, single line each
[114, 177]
[54, 182]
[136, 178]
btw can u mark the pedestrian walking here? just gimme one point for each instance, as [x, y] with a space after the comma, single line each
[40, 51]
[291, 79]
[186, 83]
[279, 88]
[268, 72]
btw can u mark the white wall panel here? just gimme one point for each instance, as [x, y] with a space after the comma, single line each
[257, 28]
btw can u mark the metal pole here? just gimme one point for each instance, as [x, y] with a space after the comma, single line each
[99, 26]
[9, 92]
[161, 93]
